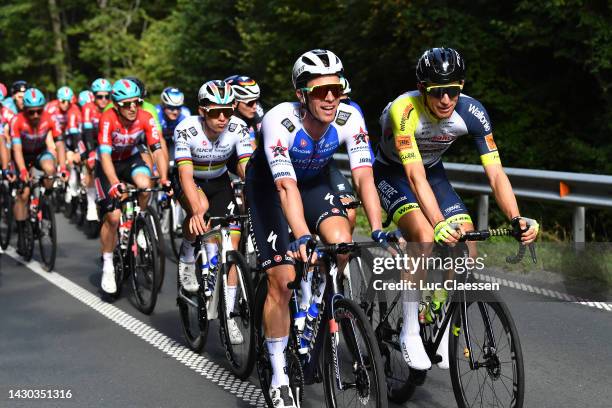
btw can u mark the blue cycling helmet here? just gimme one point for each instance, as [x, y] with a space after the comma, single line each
[125, 89]
[65, 94]
[101, 85]
[172, 97]
[85, 97]
[33, 98]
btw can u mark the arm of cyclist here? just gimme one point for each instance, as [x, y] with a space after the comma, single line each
[363, 179]
[155, 143]
[505, 198]
[244, 150]
[293, 208]
[190, 190]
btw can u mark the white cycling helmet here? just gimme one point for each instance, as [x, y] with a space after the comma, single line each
[216, 91]
[313, 64]
[345, 85]
[172, 97]
[245, 88]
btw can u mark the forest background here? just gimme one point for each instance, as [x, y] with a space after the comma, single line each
[542, 69]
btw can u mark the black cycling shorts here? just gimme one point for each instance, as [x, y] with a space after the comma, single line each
[218, 192]
[339, 183]
[267, 220]
[125, 170]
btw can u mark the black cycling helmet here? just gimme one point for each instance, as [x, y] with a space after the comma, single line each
[19, 86]
[440, 66]
[141, 86]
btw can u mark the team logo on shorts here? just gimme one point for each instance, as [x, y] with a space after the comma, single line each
[278, 258]
[335, 210]
[279, 149]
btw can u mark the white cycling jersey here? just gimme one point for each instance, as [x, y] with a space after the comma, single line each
[209, 158]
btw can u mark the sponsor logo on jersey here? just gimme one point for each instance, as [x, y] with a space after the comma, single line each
[278, 149]
[204, 142]
[342, 117]
[193, 131]
[480, 115]
[405, 116]
[288, 124]
[361, 137]
[442, 138]
[281, 174]
[365, 160]
[232, 127]
[182, 134]
[403, 143]
[303, 143]
[490, 142]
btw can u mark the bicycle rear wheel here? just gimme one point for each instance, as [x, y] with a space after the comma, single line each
[240, 355]
[356, 366]
[498, 378]
[6, 215]
[144, 271]
[47, 234]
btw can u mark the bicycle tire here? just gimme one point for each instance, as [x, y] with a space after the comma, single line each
[493, 373]
[161, 253]
[120, 271]
[6, 216]
[242, 358]
[143, 277]
[175, 237]
[264, 367]
[28, 240]
[343, 309]
[81, 210]
[47, 229]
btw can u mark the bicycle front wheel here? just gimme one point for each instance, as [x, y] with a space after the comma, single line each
[6, 215]
[498, 376]
[47, 234]
[144, 271]
[161, 253]
[236, 316]
[175, 228]
[352, 368]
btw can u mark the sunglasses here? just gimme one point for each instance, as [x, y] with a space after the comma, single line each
[250, 104]
[172, 108]
[64, 101]
[214, 113]
[34, 112]
[321, 91]
[438, 91]
[130, 104]
[100, 97]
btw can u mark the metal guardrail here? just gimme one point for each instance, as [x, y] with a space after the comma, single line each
[579, 190]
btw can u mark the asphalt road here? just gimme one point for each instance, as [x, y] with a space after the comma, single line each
[55, 334]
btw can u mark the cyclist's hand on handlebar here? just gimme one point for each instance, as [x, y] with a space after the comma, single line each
[167, 186]
[63, 172]
[24, 175]
[447, 233]
[197, 225]
[116, 190]
[384, 237]
[527, 227]
[297, 249]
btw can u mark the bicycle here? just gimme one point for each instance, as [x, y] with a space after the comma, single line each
[40, 224]
[247, 246]
[171, 220]
[135, 254]
[352, 366]
[211, 302]
[465, 316]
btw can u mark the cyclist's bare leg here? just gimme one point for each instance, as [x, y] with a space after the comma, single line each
[335, 230]
[48, 167]
[142, 180]
[108, 231]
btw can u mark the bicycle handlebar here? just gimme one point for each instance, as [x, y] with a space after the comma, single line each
[502, 232]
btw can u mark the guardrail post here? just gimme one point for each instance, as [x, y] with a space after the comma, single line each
[483, 211]
[579, 221]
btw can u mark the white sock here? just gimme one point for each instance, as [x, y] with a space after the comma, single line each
[410, 307]
[211, 251]
[72, 181]
[187, 251]
[306, 289]
[318, 297]
[107, 258]
[276, 350]
[91, 195]
[231, 298]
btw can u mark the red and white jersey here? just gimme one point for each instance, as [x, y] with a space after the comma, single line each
[121, 141]
[32, 140]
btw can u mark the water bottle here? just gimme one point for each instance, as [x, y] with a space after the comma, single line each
[311, 317]
[299, 320]
[129, 208]
[211, 273]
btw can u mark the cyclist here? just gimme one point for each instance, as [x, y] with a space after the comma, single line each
[170, 112]
[5, 144]
[248, 107]
[68, 117]
[284, 188]
[418, 127]
[92, 112]
[37, 142]
[203, 144]
[121, 130]
[85, 97]
[15, 102]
